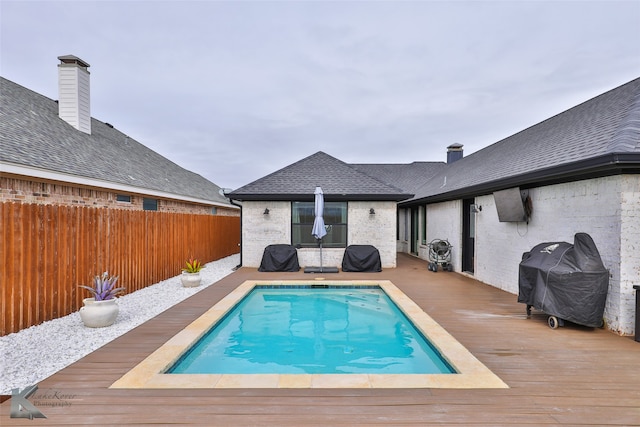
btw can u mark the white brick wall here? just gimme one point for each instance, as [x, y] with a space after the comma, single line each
[378, 230]
[559, 211]
[259, 231]
[444, 222]
[608, 209]
[629, 269]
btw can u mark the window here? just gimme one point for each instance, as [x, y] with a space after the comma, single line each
[335, 219]
[214, 211]
[123, 198]
[150, 204]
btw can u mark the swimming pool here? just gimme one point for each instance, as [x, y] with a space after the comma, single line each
[152, 372]
[311, 329]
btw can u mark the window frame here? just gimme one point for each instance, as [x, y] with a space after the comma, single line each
[302, 238]
[147, 201]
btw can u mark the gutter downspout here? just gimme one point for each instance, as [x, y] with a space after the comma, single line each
[240, 206]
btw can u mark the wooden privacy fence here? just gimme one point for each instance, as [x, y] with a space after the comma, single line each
[47, 251]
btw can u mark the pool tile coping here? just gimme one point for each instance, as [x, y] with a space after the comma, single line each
[149, 374]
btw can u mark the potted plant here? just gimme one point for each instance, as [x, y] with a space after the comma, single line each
[101, 310]
[191, 273]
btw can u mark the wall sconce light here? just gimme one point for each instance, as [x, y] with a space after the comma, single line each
[266, 211]
[476, 208]
[372, 211]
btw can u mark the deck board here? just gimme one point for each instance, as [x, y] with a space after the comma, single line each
[570, 376]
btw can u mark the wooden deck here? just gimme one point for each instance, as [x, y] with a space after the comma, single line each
[570, 376]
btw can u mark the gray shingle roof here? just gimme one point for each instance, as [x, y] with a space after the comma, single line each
[598, 137]
[32, 135]
[339, 181]
[409, 177]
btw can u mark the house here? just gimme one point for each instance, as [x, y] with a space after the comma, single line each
[75, 196]
[54, 152]
[578, 171]
[279, 209]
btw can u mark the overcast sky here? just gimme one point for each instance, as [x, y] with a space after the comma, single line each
[235, 90]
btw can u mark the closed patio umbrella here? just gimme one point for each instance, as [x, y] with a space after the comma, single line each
[319, 231]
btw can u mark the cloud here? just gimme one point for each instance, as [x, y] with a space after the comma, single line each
[236, 90]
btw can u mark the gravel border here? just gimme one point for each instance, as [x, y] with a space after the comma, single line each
[33, 354]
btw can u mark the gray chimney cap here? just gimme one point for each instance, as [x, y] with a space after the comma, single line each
[71, 59]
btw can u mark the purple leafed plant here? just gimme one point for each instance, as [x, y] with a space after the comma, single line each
[104, 287]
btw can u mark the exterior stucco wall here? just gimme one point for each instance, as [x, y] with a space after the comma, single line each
[259, 231]
[608, 209]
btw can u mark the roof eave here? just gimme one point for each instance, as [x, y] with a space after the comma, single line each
[49, 175]
[310, 197]
[595, 167]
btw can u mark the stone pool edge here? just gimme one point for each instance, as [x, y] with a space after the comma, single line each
[471, 373]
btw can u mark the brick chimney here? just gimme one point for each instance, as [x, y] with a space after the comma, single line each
[454, 153]
[73, 92]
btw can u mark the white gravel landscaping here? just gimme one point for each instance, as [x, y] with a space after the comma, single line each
[33, 354]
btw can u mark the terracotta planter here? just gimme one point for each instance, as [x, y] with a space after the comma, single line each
[190, 280]
[98, 314]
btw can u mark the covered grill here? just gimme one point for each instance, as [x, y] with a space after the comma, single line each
[566, 281]
[279, 258]
[361, 258]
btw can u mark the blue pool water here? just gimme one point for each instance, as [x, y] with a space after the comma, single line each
[306, 330]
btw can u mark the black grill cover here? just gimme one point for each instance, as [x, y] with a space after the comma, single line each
[361, 258]
[564, 280]
[279, 258]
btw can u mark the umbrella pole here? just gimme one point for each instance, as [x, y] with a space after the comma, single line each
[320, 255]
